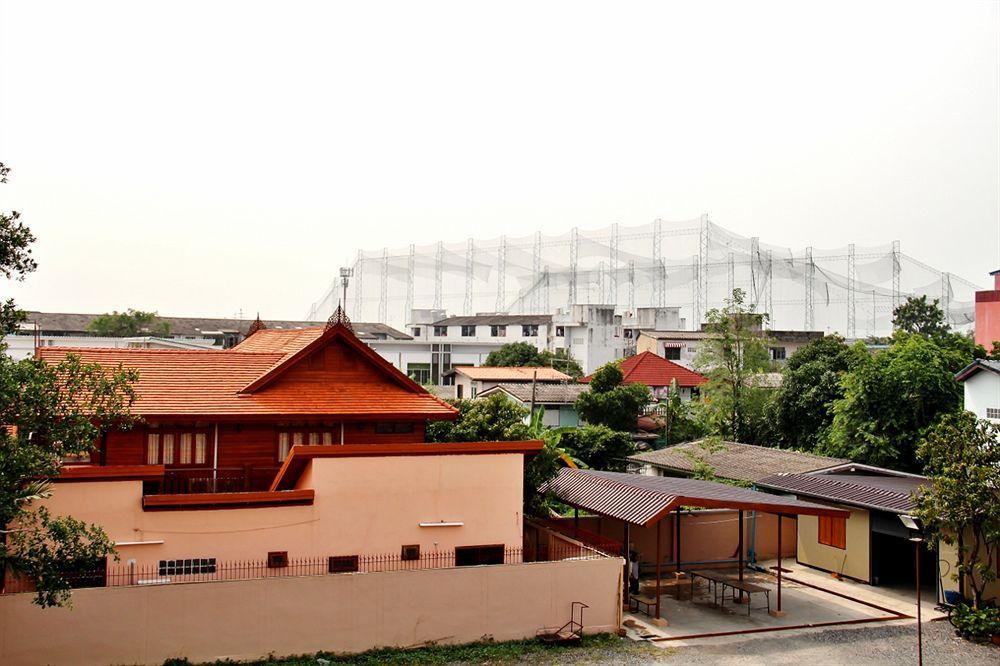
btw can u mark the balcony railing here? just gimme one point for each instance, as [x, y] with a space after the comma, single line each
[248, 478]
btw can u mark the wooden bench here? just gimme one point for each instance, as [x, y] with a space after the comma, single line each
[638, 600]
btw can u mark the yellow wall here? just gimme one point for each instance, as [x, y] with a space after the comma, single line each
[853, 561]
[342, 613]
[948, 556]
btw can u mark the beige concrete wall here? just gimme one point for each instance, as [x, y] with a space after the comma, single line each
[362, 506]
[853, 561]
[339, 613]
[947, 567]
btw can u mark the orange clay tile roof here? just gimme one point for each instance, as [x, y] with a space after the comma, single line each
[238, 383]
[279, 341]
[514, 374]
[653, 370]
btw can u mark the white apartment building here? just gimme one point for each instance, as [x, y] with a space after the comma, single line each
[981, 381]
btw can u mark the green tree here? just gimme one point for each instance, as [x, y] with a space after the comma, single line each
[599, 447]
[681, 422]
[811, 383]
[961, 506]
[890, 400]
[521, 354]
[917, 315]
[494, 418]
[611, 402]
[15, 258]
[128, 324]
[47, 412]
[734, 351]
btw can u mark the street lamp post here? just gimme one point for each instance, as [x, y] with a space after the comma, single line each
[917, 537]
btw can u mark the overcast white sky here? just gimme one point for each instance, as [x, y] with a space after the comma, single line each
[197, 158]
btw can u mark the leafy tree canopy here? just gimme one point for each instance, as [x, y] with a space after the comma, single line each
[890, 400]
[47, 412]
[610, 402]
[811, 383]
[520, 354]
[128, 324]
[961, 507]
[599, 447]
[494, 418]
[734, 352]
[682, 422]
[918, 315]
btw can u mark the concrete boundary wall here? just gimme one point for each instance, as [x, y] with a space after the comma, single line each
[284, 616]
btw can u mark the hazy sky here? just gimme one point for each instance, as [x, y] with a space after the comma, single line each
[197, 158]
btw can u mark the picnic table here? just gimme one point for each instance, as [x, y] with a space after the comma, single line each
[638, 600]
[715, 580]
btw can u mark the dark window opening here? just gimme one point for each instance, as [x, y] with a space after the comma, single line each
[672, 353]
[440, 331]
[529, 331]
[277, 559]
[468, 556]
[343, 564]
[560, 331]
[410, 553]
[203, 565]
[468, 330]
[394, 427]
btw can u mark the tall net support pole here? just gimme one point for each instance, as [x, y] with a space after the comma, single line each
[470, 267]
[601, 271]
[895, 275]
[631, 286]
[659, 278]
[613, 267]
[536, 271]
[946, 296]
[545, 290]
[754, 273]
[852, 331]
[696, 292]
[383, 298]
[438, 274]
[501, 274]
[573, 256]
[731, 270]
[410, 264]
[873, 330]
[769, 287]
[359, 277]
[810, 277]
[703, 243]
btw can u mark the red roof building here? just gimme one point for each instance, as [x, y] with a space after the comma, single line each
[235, 415]
[659, 374]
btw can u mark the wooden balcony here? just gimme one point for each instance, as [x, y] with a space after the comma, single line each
[201, 480]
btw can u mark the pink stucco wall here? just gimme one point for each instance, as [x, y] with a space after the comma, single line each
[284, 616]
[362, 506]
[988, 316]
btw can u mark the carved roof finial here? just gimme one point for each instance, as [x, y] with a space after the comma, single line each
[339, 318]
[255, 325]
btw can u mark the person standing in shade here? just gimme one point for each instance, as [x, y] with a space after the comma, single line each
[633, 572]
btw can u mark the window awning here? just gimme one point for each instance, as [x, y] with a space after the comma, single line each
[644, 500]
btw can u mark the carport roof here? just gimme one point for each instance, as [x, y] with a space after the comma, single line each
[644, 500]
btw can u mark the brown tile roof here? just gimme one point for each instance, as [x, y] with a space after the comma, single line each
[512, 374]
[887, 491]
[549, 394]
[237, 383]
[740, 462]
[643, 500]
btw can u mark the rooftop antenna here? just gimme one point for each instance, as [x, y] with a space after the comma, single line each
[345, 275]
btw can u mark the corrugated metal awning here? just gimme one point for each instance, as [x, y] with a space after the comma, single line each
[643, 500]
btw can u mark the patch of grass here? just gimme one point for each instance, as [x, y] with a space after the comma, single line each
[485, 651]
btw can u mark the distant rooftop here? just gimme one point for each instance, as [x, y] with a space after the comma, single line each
[497, 319]
[548, 394]
[512, 374]
[976, 366]
[853, 484]
[66, 323]
[732, 460]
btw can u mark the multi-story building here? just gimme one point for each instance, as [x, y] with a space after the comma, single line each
[682, 346]
[988, 314]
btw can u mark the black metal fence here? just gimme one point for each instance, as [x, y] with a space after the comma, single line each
[201, 570]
